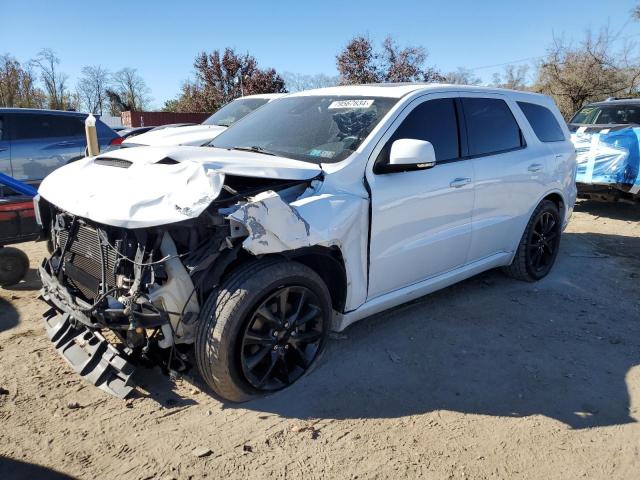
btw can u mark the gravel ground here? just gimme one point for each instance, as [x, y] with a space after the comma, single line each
[490, 378]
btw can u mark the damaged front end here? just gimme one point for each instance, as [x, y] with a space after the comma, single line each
[120, 294]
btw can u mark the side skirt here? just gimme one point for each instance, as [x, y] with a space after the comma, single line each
[417, 290]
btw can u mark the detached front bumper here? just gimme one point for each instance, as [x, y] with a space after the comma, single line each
[76, 339]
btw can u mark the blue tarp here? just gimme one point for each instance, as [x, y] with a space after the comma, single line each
[17, 185]
[608, 157]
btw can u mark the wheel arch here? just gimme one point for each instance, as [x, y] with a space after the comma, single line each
[327, 262]
[557, 199]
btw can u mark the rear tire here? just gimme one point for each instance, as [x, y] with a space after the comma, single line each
[14, 265]
[249, 341]
[538, 247]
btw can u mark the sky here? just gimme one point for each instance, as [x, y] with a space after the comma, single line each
[161, 38]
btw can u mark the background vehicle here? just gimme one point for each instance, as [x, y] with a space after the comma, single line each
[17, 225]
[202, 134]
[129, 132]
[33, 142]
[315, 211]
[607, 138]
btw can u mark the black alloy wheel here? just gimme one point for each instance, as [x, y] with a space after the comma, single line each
[543, 243]
[282, 338]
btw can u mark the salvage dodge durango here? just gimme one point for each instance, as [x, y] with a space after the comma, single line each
[317, 210]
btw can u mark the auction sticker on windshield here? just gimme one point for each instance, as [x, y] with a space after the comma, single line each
[350, 104]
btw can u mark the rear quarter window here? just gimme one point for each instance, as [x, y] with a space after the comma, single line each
[543, 122]
[31, 126]
[491, 127]
[103, 130]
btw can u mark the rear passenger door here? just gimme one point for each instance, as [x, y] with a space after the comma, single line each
[5, 145]
[510, 168]
[43, 142]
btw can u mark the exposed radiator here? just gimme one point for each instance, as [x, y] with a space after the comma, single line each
[83, 261]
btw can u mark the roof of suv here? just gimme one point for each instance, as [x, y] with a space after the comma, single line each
[617, 101]
[264, 95]
[398, 90]
[44, 110]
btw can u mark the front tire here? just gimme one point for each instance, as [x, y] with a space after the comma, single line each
[262, 329]
[539, 245]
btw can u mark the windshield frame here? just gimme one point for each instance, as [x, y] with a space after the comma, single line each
[310, 153]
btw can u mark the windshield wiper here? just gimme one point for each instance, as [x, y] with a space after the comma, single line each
[254, 148]
[222, 124]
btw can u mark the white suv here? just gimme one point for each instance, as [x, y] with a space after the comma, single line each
[317, 210]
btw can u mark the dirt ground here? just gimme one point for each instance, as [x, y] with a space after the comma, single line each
[491, 378]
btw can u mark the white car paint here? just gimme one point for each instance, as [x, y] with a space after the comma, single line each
[427, 228]
[194, 135]
[149, 193]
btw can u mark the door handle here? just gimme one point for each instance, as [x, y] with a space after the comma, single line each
[459, 182]
[2, 149]
[535, 167]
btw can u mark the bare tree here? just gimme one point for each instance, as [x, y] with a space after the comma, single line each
[358, 63]
[55, 82]
[297, 82]
[92, 88]
[128, 91]
[18, 85]
[513, 77]
[462, 76]
[592, 70]
[222, 77]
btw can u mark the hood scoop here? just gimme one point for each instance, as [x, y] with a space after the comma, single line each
[120, 163]
[142, 187]
[113, 162]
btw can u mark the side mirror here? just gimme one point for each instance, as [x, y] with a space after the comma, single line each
[410, 152]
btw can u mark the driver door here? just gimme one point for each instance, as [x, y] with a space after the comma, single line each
[421, 217]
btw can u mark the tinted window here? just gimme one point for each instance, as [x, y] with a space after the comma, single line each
[42, 126]
[543, 122]
[3, 129]
[434, 121]
[491, 127]
[608, 115]
[103, 130]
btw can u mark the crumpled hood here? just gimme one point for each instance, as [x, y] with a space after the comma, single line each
[194, 135]
[151, 186]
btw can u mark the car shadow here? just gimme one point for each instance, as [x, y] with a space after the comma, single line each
[9, 316]
[30, 282]
[490, 345]
[613, 210]
[17, 470]
[155, 385]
